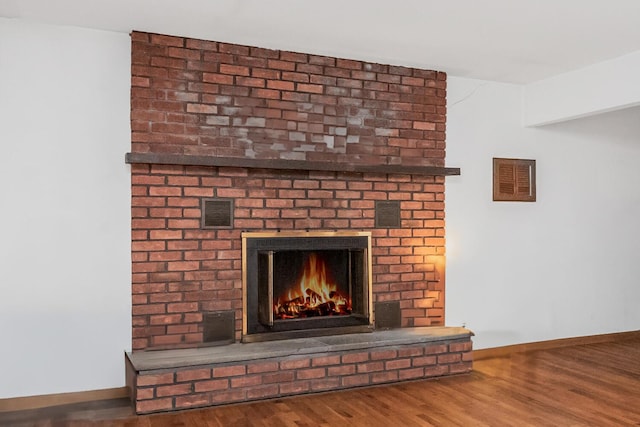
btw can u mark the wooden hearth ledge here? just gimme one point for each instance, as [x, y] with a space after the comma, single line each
[283, 164]
[171, 380]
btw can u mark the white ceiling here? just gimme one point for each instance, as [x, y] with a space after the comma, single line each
[517, 41]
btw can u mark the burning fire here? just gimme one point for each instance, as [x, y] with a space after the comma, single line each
[313, 295]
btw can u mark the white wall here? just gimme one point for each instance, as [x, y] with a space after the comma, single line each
[564, 266]
[64, 209]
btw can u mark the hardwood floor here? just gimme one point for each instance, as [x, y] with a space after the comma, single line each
[585, 385]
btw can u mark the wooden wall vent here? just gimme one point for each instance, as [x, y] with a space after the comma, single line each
[514, 180]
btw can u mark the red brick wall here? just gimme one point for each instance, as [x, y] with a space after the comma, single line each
[215, 384]
[208, 98]
[195, 97]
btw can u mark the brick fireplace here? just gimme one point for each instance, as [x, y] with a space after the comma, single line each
[292, 142]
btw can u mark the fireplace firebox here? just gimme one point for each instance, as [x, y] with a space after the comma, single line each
[301, 284]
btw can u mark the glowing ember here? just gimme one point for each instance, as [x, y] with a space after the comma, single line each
[312, 295]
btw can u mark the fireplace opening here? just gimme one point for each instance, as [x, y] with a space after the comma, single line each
[306, 284]
[310, 284]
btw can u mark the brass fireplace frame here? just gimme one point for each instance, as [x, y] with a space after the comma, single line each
[306, 234]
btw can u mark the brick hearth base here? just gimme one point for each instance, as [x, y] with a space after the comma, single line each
[180, 379]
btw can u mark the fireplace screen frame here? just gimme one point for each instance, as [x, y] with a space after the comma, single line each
[256, 243]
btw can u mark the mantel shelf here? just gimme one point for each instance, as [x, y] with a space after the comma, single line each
[237, 162]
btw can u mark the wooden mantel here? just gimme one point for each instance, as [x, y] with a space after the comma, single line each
[237, 162]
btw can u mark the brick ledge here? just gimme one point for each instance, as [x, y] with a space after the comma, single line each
[230, 374]
[246, 352]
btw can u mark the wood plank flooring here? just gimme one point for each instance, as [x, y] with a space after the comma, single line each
[584, 385]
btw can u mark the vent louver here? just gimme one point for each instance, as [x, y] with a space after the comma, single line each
[514, 180]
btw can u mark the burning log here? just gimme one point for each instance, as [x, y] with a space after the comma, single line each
[327, 308]
[312, 296]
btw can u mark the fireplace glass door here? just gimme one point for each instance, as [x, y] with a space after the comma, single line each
[298, 284]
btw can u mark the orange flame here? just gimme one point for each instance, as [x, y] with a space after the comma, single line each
[313, 295]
